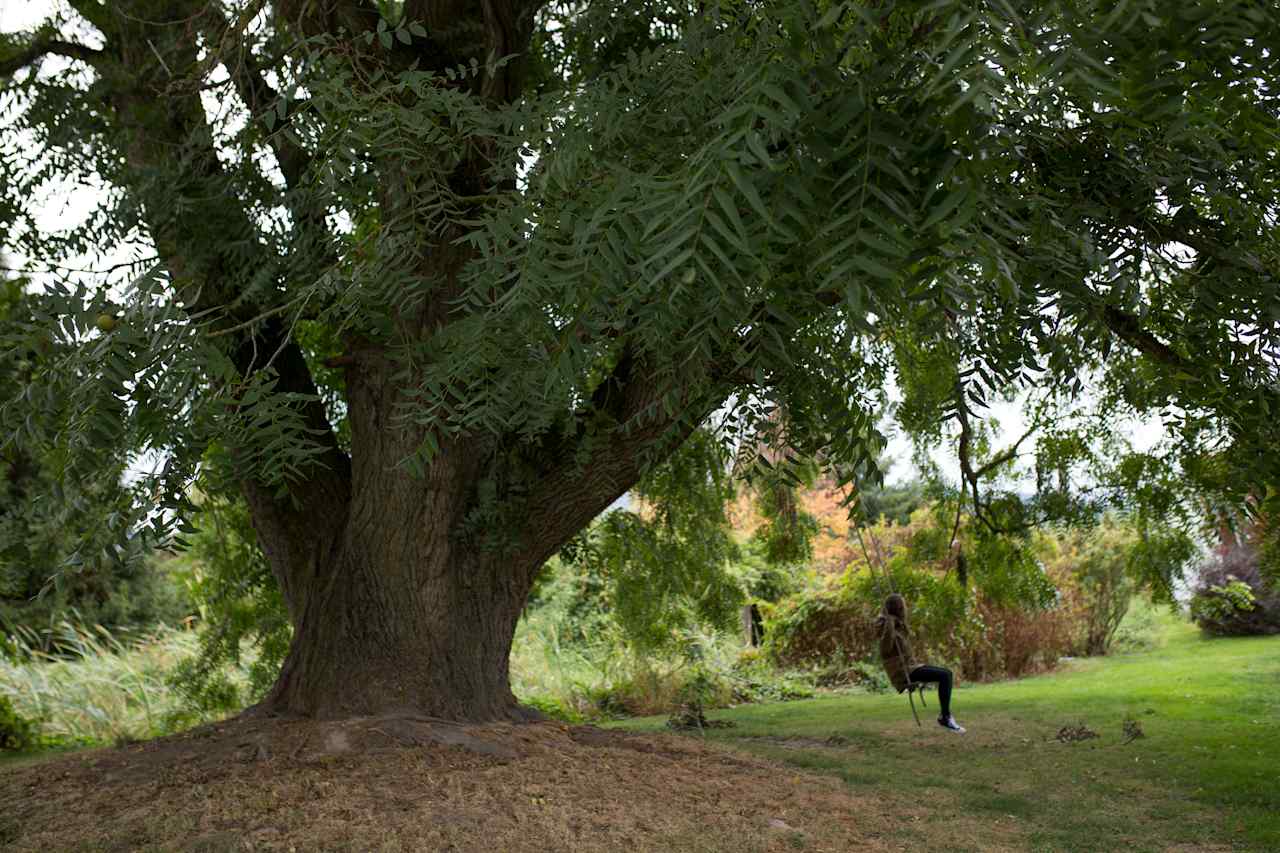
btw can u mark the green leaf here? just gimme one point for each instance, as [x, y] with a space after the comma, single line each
[948, 204]
[730, 208]
[833, 14]
[678, 260]
[747, 189]
[872, 266]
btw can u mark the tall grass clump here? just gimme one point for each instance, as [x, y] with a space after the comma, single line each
[101, 688]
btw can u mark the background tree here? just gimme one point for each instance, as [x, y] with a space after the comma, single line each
[1107, 563]
[443, 280]
[66, 547]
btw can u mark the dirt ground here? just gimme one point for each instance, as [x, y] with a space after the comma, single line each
[416, 784]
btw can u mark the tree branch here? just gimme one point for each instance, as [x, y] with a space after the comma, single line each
[966, 440]
[1127, 328]
[327, 17]
[970, 476]
[258, 95]
[181, 190]
[41, 47]
[576, 486]
[1206, 237]
[1008, 453]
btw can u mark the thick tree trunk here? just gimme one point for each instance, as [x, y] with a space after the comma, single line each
[399, 602]
[397, 605]
[431, 636]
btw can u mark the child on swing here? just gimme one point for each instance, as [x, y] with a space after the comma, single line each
[895, 652]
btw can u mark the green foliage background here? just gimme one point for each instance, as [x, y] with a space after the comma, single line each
[67, 547]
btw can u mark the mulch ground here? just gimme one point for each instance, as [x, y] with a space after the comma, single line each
[417, 784]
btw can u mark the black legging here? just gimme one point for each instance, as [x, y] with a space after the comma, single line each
[942, 677]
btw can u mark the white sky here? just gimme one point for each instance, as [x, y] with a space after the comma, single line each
[23, 14]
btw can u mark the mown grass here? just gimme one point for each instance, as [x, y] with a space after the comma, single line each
[1206, 775]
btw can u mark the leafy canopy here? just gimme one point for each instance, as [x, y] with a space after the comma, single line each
[655, 215]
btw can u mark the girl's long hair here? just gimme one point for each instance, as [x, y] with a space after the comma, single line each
[895, 605]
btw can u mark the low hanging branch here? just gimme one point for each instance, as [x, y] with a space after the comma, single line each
[42, 46]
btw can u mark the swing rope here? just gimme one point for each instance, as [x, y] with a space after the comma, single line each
[912, 686]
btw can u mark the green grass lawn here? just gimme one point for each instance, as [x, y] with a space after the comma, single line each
[1205, 776]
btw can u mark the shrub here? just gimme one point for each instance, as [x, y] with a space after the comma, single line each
[819, 624]
[1231, 597]
[16, 733]
[240, 609]
[1099, 569]
[980, 636]
[1005, 624]
[576, 593]
[1092, 572]
[1014, 641]
[753, 679]
[842, 671]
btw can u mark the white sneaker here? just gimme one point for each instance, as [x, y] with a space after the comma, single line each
[951, 724]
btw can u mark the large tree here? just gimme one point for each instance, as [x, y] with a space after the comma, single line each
[432, 283]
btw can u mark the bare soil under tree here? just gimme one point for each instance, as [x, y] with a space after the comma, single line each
[403, 783]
